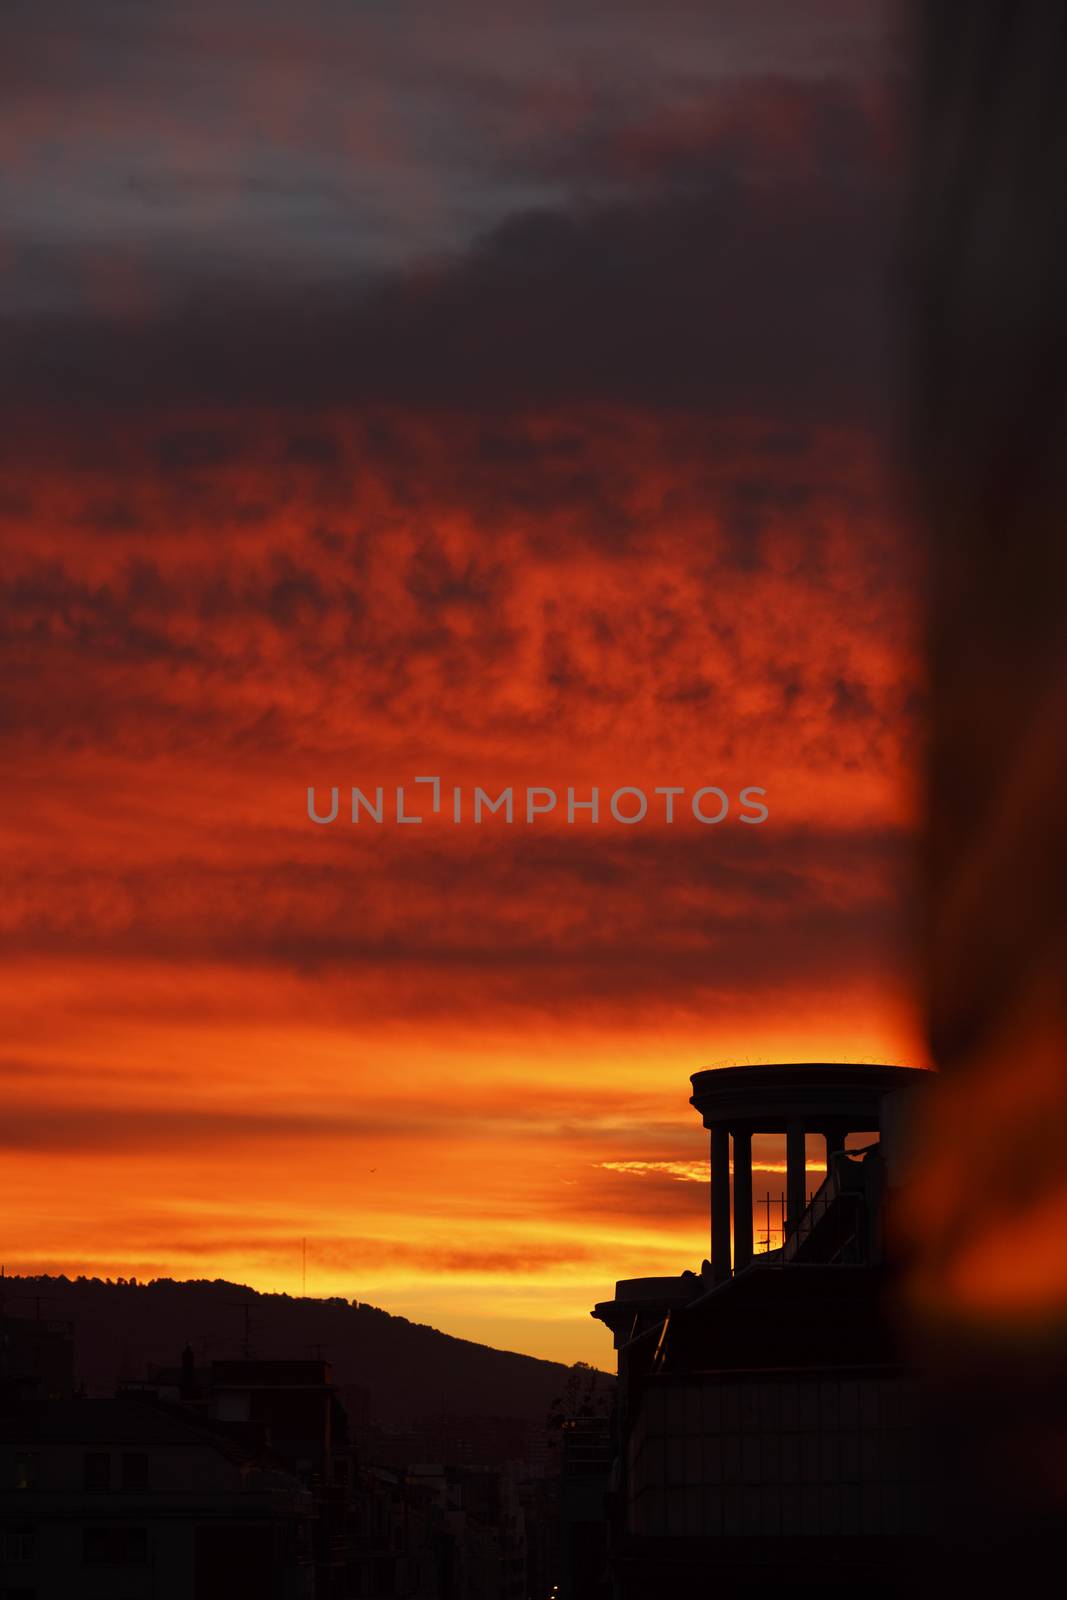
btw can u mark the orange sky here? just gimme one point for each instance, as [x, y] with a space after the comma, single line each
[561, 462]
[229, 1029]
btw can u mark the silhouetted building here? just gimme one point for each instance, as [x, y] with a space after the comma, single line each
[37, 1357]
[126, 1500]
[228, 1478]
[766, 1423]
[383, 1522]
[584, 1478]
[481, 1518]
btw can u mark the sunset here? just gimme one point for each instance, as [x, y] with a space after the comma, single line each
[305, 493]
[533, 688]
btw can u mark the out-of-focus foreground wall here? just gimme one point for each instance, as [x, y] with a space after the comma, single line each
[987, 1226]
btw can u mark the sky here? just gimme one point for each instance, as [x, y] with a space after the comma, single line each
[495, 393]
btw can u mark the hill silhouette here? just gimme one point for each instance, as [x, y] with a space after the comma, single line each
[410, 1369]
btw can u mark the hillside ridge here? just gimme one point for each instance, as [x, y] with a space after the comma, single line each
[410, 1369]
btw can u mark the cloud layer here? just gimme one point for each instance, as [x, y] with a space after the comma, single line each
[504, 402]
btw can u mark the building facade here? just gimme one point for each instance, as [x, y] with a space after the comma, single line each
[768, 1423]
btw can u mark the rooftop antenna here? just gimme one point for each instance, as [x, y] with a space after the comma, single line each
[37, 1302]
[304, 1268]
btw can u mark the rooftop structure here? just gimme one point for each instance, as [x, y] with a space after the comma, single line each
[830, 1099]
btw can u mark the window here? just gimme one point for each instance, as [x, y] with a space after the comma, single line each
[98, 1470]
[19, 1543]
[135, 1470]
[114, 1546]
[25, 1472]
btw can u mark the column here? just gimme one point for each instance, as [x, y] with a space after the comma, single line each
[795, 1175]
[742, 1198]
[835, 1142]
[720, 1202]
